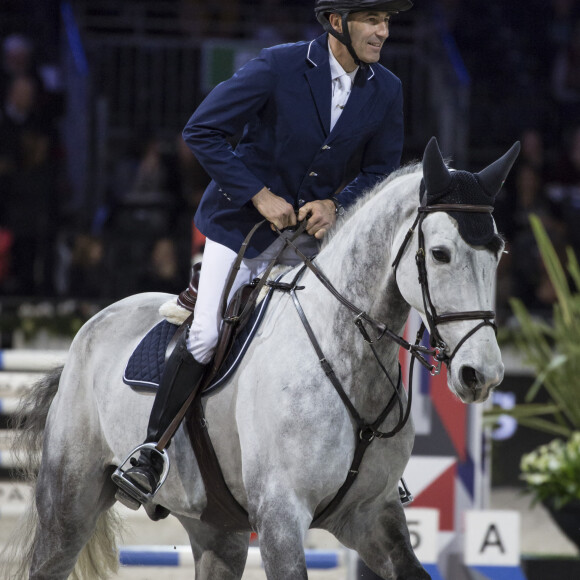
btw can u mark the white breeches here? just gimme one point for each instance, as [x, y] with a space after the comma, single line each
[215, 269]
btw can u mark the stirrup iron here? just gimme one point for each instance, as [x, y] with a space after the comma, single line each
[128, 488]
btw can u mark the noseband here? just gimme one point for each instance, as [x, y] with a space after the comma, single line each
[433, 318]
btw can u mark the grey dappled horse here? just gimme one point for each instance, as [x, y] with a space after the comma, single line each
[283, 436]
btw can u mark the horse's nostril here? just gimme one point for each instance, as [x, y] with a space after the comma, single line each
[469, 377]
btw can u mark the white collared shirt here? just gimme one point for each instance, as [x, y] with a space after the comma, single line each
[341, 87]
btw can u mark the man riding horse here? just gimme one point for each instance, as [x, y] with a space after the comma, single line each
[321, 123]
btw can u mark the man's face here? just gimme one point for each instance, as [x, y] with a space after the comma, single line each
[368, 31]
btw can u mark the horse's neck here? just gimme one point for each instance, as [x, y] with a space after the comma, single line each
[358, 261]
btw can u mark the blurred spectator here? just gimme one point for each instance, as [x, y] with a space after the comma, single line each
[533, 152]
[8, 156]
[221, 18]
[5, 254]
[28, 180]
[187, 177]
[530, 281]
[152, 196]
[163, 272]
[560, 24]
[17, 61]
[564, 189]
[532, 155]
[141, 170]
[87, 269]
[144, 195]
[566, 79]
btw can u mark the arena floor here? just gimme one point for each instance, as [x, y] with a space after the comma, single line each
[540, 536]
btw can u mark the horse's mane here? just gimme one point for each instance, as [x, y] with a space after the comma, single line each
[408, 169]
[496, 244]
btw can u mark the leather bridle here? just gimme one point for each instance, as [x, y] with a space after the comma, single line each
[433, 318]
[438, 346]
[368, 431]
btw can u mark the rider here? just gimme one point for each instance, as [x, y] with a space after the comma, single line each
[295, 160]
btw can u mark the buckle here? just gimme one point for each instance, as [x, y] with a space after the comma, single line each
[283, 286]
[366, 434]
[436, 368]
[359, 323]
[440, 358]
[405, 495]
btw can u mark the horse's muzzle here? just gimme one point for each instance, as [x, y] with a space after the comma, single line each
[477, 385]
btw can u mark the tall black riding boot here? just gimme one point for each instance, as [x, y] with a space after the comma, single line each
[181, 376]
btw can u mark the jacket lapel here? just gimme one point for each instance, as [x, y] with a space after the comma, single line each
[318, 77]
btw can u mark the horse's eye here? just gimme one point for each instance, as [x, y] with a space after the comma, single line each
[441, 255]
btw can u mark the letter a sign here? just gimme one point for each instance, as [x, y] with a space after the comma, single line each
[492, 538]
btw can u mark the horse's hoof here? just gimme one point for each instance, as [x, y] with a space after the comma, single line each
[127, 500]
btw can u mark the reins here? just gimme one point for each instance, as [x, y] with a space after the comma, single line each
[368, 431]
[362, 425]
[415, 349]
[246, 311]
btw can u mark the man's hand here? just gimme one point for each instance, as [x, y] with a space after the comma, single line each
[322, 216]
[274, 208]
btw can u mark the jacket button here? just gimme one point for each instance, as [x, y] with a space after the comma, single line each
[325, 147]
[301, 202]
[313, 174]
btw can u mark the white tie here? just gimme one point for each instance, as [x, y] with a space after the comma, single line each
[345, 83]
[340, 95]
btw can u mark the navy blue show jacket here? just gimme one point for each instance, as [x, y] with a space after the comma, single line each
[280, 104]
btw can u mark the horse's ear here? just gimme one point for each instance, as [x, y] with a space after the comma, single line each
[437, 176]
[493, 176]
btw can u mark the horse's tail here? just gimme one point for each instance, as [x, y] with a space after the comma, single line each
[29, 422]
[99, 557]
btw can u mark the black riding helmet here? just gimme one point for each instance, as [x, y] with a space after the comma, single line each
[323, 8]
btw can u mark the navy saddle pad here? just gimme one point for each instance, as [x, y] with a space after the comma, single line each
[145, 367]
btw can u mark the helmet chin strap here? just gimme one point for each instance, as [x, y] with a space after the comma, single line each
[344, 37]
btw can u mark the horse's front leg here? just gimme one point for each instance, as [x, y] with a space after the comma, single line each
[217, 554]
[281, 524]
[379, 533]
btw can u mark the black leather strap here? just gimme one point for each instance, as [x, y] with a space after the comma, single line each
[236, 266]
[249, 306]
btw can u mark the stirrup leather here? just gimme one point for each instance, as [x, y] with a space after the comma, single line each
[128, 487]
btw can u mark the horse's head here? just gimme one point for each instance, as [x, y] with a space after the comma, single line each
[455, 250]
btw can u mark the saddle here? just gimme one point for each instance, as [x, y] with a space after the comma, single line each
[222, 510]
[236, 316]
[237, 312]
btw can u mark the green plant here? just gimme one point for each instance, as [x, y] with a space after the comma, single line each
[552, 404]
[552, 471]
[552, 350]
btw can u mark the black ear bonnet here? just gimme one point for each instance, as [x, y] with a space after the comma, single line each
[475, 228]
[441, 186]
